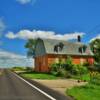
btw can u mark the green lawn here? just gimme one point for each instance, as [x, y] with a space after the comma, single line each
[91, 91]
[84, 77]
[33, 75]
[87, 92]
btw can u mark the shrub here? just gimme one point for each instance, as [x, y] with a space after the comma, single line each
[54, 67]
[64, 73]
[86, 64]
[67, 69]
[55, 73]
[95, 79]
[97, 67]
[68, 64]
[79, 69]
[59, 70]
[74, 70]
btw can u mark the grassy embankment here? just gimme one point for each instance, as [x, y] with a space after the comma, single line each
[29, 73]
[88, 92]
[91, 91]
[34, 75]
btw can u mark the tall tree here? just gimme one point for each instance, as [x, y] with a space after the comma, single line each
[95, 47]
[30, 45]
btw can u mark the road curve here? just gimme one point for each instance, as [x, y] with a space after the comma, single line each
[13, 88]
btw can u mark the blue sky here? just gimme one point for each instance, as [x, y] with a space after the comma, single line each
[22, 19]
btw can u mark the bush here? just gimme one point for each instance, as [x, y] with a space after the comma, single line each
[68, 69]
[79, 69]
[55, 73]
[64, 73]
[97, 67]
[86, 64]
[59, 70]
[68, 64]
[54, 67]
[95, 79]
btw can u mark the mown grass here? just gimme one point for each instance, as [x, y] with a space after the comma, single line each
[90, 91]
[85, 77]
[34, 75]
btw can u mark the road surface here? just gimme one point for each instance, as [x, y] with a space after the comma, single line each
[13, 88]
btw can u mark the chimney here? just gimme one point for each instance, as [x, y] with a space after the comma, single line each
[79, 38]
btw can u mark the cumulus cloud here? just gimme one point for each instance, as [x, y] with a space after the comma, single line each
[2, 25]
[27, 34]
[8, 59]
[26, 1]
[11, 35]
[2, 28]
[97, 37]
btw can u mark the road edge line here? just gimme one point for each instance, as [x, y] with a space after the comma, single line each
[41, 91]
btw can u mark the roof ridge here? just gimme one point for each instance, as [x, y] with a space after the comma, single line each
[78, 43]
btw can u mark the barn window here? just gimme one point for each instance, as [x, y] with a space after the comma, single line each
[58, 47]
[80, 49]
[84, 48]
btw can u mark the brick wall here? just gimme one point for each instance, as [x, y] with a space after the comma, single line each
[43, 63]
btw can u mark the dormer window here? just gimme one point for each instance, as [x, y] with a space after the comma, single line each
[61, 45]
[80, 49]
[58, 47]
[84, 48]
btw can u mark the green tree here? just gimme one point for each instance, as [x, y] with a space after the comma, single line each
[30, 45]
[95, 47]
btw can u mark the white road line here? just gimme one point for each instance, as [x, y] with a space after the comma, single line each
[47, 95]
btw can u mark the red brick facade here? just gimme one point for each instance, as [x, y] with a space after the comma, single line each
[43, 63]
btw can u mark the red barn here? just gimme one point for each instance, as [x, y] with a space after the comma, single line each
[48, 51]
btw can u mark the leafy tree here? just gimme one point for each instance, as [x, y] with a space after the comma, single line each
[30, 45]
[95, 47]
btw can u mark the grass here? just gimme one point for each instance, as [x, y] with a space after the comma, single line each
[84, 77]
[87, 92]
[34, 75]
[90, 91]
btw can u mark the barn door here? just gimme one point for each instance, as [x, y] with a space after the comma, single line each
[39, 66]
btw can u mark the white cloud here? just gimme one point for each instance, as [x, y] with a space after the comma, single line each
[8, 59]
[2, 25]
[2, 28]
[97, 37]
[27, 34]
[26, 1]
[11, 35]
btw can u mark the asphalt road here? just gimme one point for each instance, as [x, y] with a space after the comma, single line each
[13, 88]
